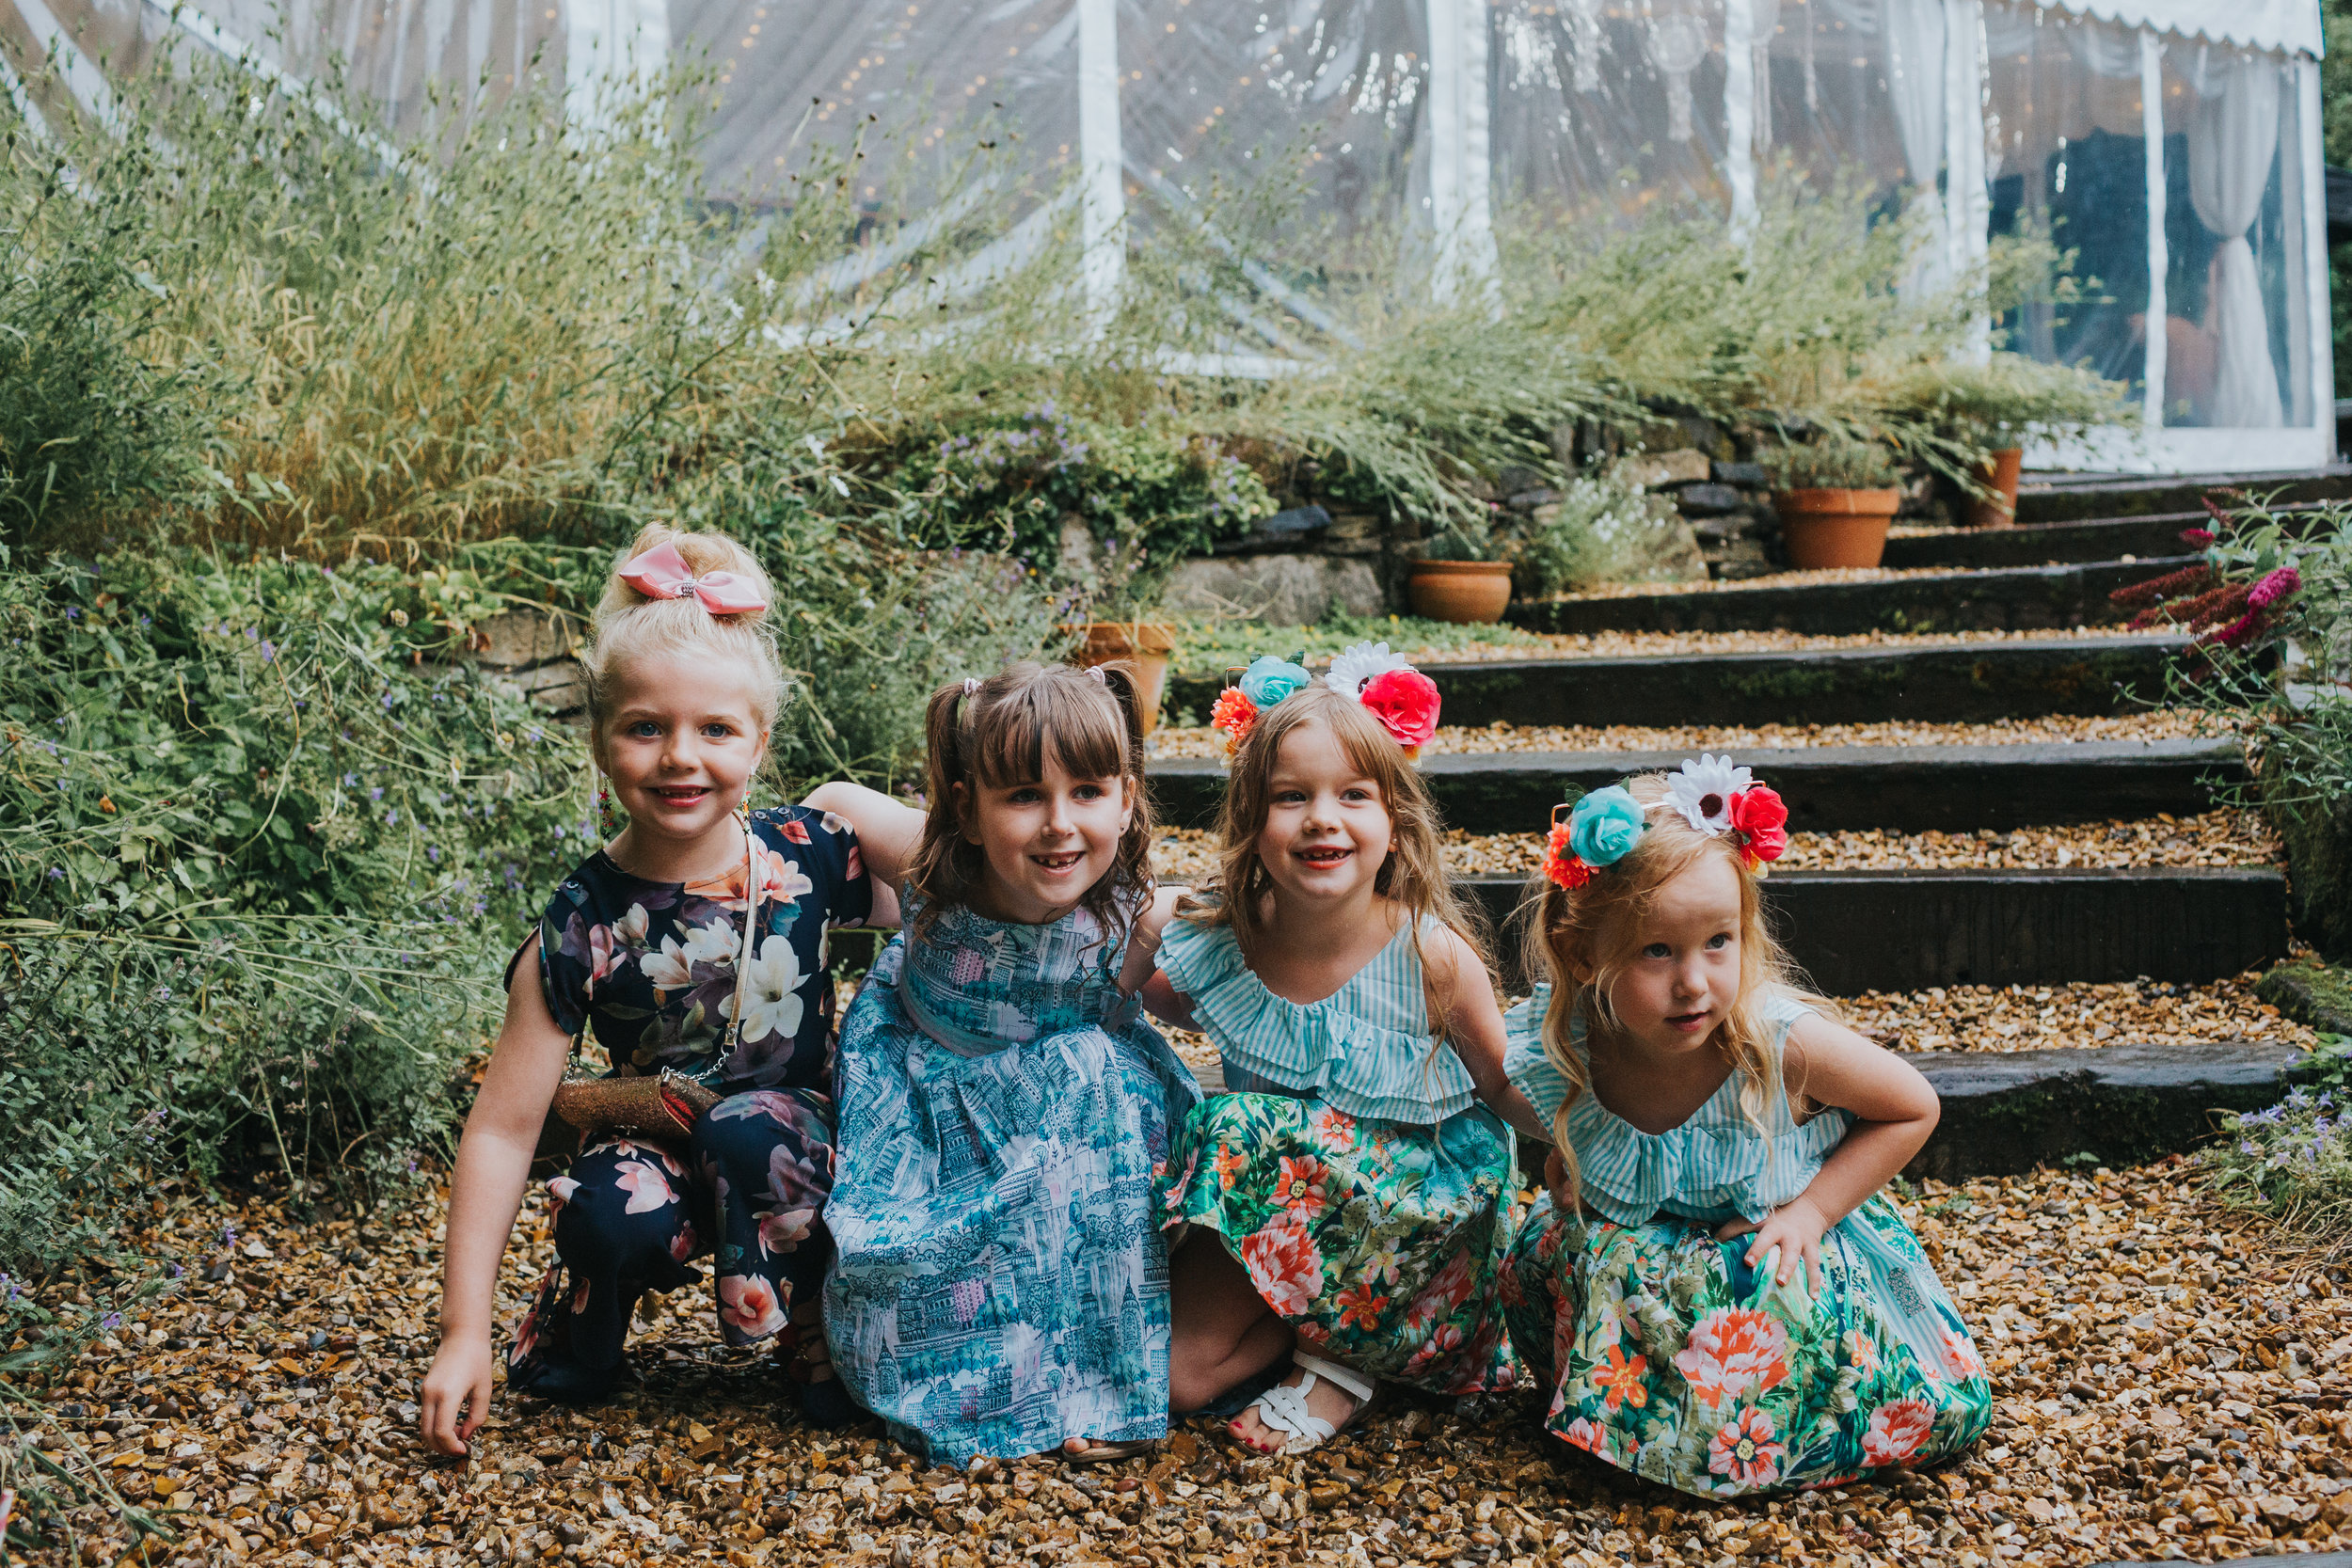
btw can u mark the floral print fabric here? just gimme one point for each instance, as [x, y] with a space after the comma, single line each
[654, 972]
[1000, 1285]
[1668, 1356]
[1381, 1244]
[747, 1188]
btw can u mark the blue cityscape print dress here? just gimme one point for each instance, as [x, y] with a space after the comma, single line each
[1000, 1285]
[1668, 1356]
[654, 972]
[1350, 1170]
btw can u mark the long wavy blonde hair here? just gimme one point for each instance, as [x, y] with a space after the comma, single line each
[1413, 876]
[1582, 942]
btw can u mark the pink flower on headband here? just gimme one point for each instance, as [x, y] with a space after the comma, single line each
[661, 572]
[1405, 703]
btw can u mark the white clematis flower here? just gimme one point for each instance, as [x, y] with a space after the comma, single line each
[1360, 663]
[766, 990]
[1702, 791]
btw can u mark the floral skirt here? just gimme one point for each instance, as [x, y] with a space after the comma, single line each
[748, 1186]
[1382, 1244]
[999, 1285]
[1668, 1356]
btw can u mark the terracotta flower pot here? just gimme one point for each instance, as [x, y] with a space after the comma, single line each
[1835, 527]
[1466, 592]
[1999, 473]
[1140, 643]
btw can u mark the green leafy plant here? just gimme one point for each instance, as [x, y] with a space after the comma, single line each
[2292, 1161]
[1830, 464]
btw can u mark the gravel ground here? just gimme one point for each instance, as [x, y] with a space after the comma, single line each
[2213, 838]
[2046, 1017]
[2170, 1382]
[1509, 642]
[1775, 579]
[2149, 724]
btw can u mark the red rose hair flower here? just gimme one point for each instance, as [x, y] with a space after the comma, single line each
[1405, 703]
[1760, 822]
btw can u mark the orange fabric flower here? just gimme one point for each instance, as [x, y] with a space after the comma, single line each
[1235, 714]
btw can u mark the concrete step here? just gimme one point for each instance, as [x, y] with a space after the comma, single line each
[2006, 1111]
[1932, 683]
[1911, 788]
[2056, 499]
[2014, 598]
[1855, 931]
[2097, 539]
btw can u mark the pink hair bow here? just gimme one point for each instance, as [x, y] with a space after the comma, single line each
[661, 572]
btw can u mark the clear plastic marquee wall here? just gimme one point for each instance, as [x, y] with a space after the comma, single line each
[2174, 143]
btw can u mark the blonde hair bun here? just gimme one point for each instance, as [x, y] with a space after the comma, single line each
[631, 625]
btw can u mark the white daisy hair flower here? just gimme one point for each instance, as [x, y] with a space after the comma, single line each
[1353, 667]
[1702, 791]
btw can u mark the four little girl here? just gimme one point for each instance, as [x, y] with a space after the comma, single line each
[1028, 1229]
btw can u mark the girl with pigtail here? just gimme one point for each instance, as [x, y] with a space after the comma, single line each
[1715, 1293]
[692, 947]
[1000, 1286]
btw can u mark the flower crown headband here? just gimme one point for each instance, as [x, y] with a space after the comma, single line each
[1713, 795]
[1400, 697]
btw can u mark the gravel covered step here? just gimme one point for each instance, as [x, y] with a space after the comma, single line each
[1907, 787]
[2017, 598]
[1960, 682]
[2073, 500]
[2146, 540]
[2005, 1114]
[1855, 931]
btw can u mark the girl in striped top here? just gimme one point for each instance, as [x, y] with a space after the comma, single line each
[1345, 1203]
[1715, 1291]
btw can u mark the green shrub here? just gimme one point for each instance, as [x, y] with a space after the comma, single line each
[1600, 529]
[2294, 1159]
[1829, 465]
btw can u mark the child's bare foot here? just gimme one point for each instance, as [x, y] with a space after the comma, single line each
[1304, 1410]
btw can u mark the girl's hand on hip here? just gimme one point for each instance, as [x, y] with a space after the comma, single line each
[1794, 1229]
[457, 1393]
[1556, 1179]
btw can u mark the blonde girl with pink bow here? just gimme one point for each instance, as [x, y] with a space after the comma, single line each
[690, 948]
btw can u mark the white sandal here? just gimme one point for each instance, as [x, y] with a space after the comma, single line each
[1283, 1408]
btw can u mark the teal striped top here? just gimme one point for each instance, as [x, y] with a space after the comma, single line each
[1714, 1167]
[1366, 1049]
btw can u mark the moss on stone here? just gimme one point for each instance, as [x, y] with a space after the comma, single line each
[2318, 839]
[2310, 993]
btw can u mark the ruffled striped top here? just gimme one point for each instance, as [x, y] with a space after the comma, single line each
[1714, 1167]
[1365, 1049]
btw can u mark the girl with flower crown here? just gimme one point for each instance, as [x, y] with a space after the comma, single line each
[1347, 1201]
[1715, 1290]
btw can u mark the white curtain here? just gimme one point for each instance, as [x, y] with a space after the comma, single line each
[1915, 80]
[2231, 144]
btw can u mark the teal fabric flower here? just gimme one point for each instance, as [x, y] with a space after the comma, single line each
[1269, 680]
[1605, 825]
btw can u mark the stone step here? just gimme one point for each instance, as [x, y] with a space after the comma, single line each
[1855, 931]
[1930, 683]
[2004, 1113]
[2092, 541]
[1910, 788]
[2067, 501]
[2014, 598]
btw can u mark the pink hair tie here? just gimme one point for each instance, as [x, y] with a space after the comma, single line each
[971, 686]
[1096, 671]
[661, 572]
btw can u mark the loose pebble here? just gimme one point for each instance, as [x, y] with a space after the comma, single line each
[2050, 1017]
[2170, 1381]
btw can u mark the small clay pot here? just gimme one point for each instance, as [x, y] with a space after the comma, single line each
[1999, 473]
[1466, 592]
[1141, 644]
[1835, 527]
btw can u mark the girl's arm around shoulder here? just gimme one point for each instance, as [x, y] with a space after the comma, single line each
[887, 833]
[1161, 999]
[484, 1190]
[1473, 1026]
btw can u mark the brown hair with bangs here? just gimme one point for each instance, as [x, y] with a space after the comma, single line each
[996, 737]
[1413, 876]
[1582, 940]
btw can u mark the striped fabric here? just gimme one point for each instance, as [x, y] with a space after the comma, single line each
[1366, 1048]
[1714, 1167]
